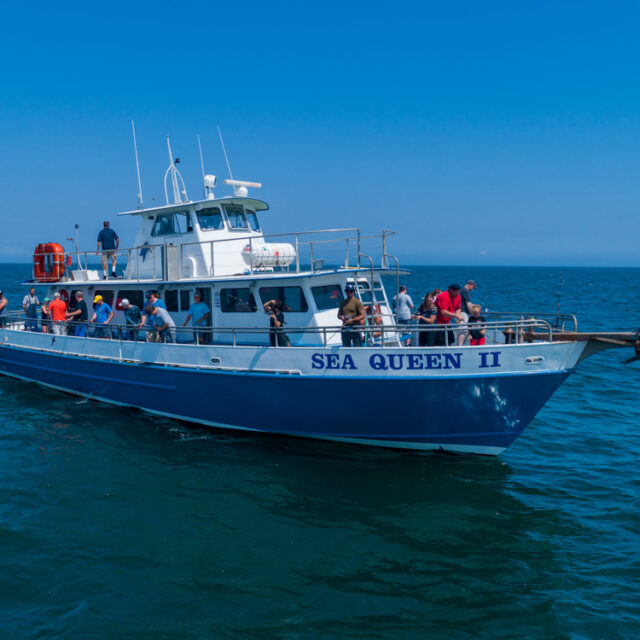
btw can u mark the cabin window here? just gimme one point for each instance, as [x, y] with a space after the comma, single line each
[134, 297]
[185, 299]
[237, 301]
[171, 299]
[328, 296]
[210, 219]
[292, 297]
[235, 215]
[253, 220]
[107, 295]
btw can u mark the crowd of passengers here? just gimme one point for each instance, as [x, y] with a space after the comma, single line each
[439, 309]
[74, 318]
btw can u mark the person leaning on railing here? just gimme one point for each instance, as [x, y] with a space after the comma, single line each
[165, 326]
[132, 318]
[275, 310]
[351, 313]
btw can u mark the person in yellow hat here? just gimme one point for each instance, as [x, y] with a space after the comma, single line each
[102, 315]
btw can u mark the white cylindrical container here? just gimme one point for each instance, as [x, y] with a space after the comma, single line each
[274, 254]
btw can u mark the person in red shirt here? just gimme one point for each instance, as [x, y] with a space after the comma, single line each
[58, 314]
[448, 305]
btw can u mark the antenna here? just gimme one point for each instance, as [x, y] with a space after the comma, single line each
[225, 153]
[175, 175]
[135, 147]
[201, 160]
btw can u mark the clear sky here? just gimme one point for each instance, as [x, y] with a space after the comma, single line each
[483, 133]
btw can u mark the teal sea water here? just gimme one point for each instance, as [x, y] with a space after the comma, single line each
[117, 524]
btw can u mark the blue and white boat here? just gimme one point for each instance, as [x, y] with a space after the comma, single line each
[315, 388]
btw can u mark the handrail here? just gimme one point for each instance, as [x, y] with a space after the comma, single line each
[133, 253]
[514, 331]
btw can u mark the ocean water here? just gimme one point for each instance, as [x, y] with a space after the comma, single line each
[117, 524]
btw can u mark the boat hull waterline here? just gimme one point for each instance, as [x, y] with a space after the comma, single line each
[451, 409]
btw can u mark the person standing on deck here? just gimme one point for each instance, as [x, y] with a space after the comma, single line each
[351, 312]
[109, 242]
[30, 304]
[198, 314]
[58, 312]
[79, 315]
[448, 304]
[466, 307]
[3, 308]
[402, 305]
[102, 315]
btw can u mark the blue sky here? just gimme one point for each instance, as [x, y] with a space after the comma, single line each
[483, 133]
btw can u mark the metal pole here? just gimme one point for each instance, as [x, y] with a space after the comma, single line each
[297, 255]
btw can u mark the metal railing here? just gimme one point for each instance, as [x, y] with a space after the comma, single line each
[380, 336]
[168, 259]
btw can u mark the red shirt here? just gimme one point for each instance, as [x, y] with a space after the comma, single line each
[58, 310]
[446, 302]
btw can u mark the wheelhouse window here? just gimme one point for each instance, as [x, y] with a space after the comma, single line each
[328, 296]
[292, 297]
[210, 219]
[253, 220]
[236, 216]
[237, 301]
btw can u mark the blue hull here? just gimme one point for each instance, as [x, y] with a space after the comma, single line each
[463, 413]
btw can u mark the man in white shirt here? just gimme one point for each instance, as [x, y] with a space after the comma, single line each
[402, 305]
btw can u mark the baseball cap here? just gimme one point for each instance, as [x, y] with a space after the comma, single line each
[124, 302]
[349, 287]
[472, 283]
[454, 286]
[97, 299]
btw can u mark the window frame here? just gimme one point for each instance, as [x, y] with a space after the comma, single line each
[287, 309]
[226, 215]
[336, 287]
[222, 218]
[250, 299]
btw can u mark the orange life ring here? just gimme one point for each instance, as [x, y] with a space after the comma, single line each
[48, 262]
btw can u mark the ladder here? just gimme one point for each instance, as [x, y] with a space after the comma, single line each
[378, 297]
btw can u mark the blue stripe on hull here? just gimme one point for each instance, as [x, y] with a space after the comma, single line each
[449, 413]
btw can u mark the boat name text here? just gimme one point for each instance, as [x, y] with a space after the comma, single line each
[401, 361]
